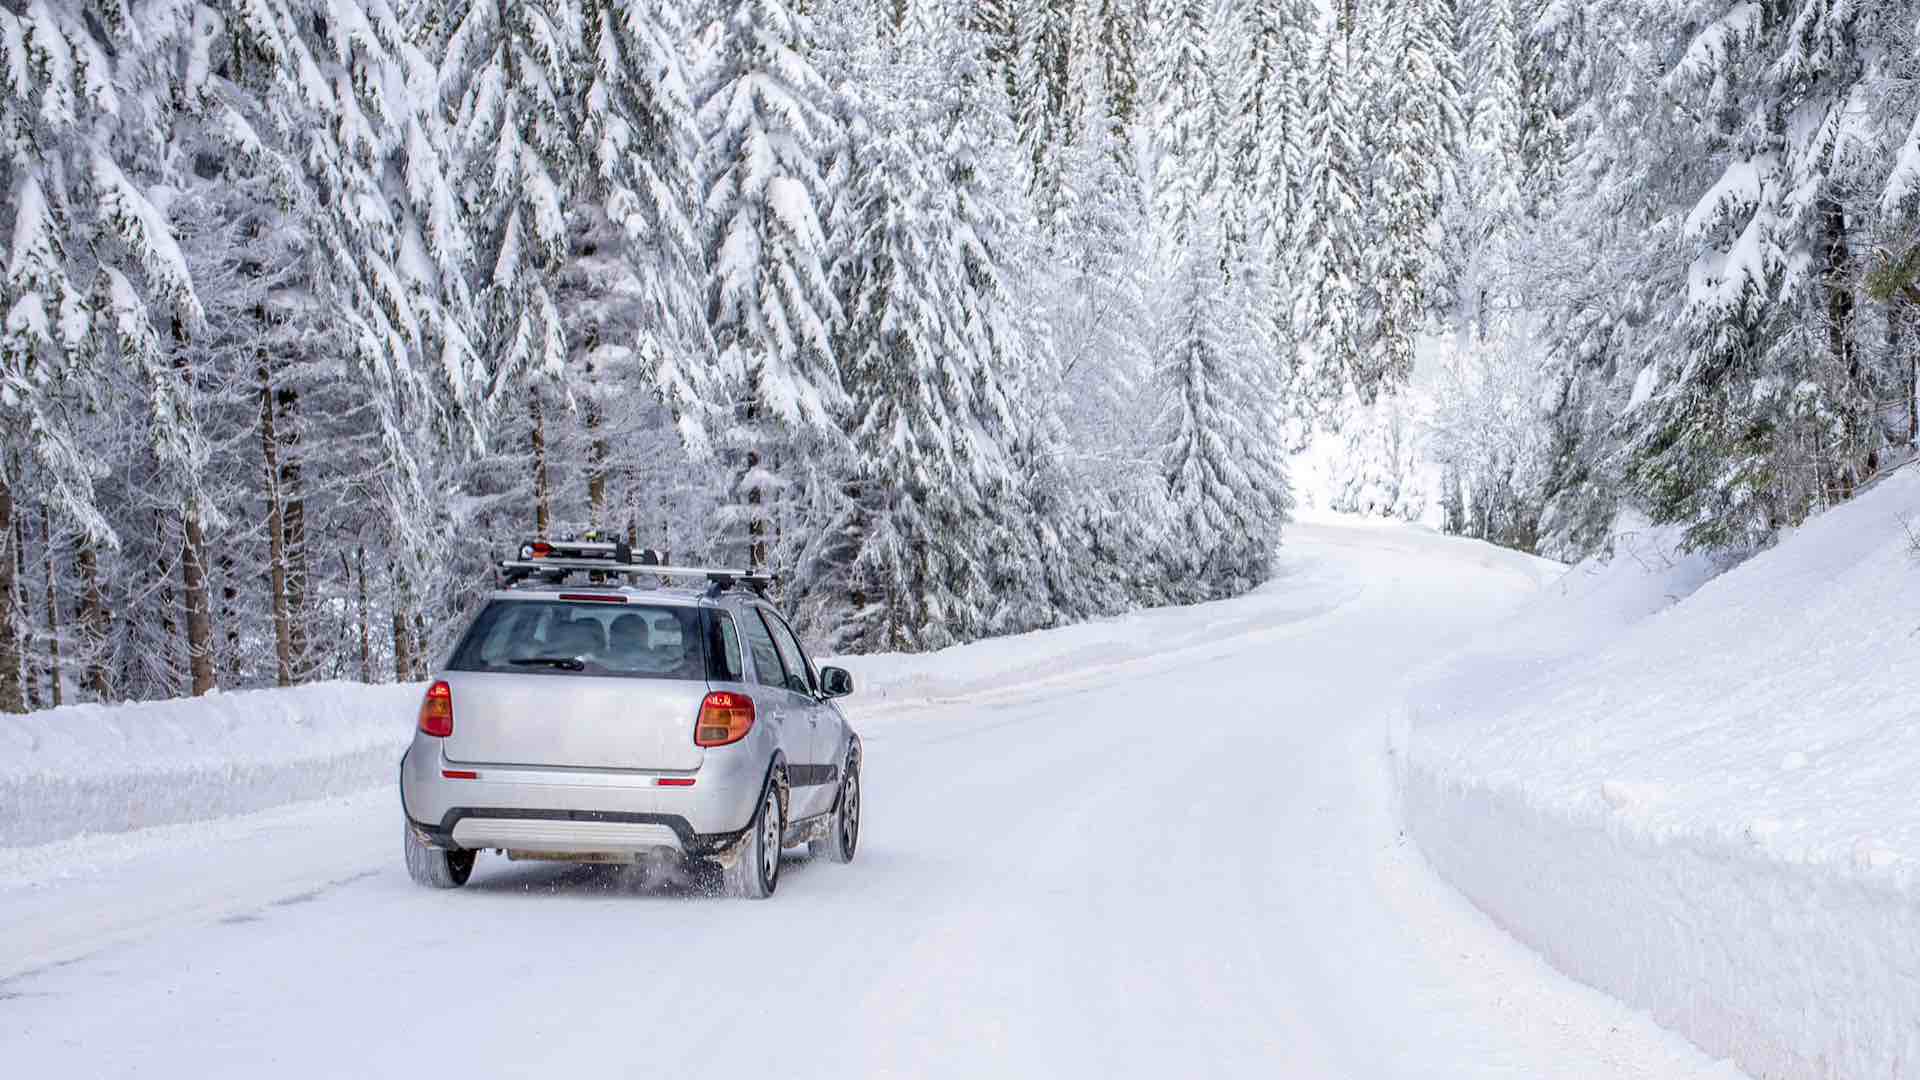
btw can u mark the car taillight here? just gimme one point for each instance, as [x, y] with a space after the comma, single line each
[436, 711]
[724, 718]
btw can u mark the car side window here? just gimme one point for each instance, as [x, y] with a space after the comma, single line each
[766, 655]
[726, 650]
[800, 675]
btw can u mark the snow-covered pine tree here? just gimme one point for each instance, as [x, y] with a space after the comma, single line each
[763, 112]
[1709, 443]
[1725, 227]
[1415, 141]
[914, 580]
[508, 71]
[1189, 133]
[1483, 222]
[336, 107]
[1267, 130]
[57, 92]
[1543, 124]
[996, 309]
[630, 292]
[1329, 242]
[1042, 50]
[1101, 500]
[1225, 473]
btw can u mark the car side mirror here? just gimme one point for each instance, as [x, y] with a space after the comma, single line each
[835, 682]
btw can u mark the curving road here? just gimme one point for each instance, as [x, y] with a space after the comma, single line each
[1182, 864]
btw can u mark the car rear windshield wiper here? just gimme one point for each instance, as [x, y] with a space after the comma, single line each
[564, 663]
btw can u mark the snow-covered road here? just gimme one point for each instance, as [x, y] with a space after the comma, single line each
[1181, 864]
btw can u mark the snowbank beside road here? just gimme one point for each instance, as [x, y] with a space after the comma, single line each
[97, 769]
[1703, 801]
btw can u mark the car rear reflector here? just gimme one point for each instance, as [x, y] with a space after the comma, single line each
[595, 598]
[459, 774]
[436, 711]
[676, 781]
[725, 717]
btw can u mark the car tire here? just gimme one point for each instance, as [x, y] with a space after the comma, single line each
[436, 868]
[755, 873]
[843, 835]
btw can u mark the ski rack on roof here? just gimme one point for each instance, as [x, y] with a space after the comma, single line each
[553, 561]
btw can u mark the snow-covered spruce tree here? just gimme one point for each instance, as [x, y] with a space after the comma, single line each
[1042, 112]
[1416, 138]
[1543, 123]
[508, 71]
[1101, 246]
[57, 92]
[765, 126]
[998, 255]
[335, 101]
[629, 291]
[1482, 223]
[1730, 220]
[1765, 419]
[640, 179]
[1101, 500]
[1107, 41]
[914, 582]
[1190, 129]
[1268, 126]
[1329, 245]
[1226, 475]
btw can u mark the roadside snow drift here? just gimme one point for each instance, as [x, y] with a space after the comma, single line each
[1708, 810]
[99, 769]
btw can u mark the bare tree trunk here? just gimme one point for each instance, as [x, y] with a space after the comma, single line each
[95, 623]
[632, 473]
[276, 537]
[1859, 460]
[294, 522]
[193, 583]
[596, 466]
[420, 643]
[366, 624]
[230, 660]
[402, 648]
[25, 613]
[53, 608]
[1913, 396]
[542, 496]
[405, 647]
[11, 698]
[756, 513]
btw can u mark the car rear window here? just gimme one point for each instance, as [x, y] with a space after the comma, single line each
[558, 637]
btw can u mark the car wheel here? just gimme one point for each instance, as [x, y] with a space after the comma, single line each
[435, 868]
[756, 872]
[844, 830]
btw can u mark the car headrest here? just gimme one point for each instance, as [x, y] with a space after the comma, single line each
[628, 634]
[579, 637]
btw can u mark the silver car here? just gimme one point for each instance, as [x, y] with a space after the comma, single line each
[583, 720]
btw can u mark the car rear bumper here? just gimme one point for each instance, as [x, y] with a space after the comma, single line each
[578, 811]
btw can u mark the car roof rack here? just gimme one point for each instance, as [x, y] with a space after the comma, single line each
[554, 561]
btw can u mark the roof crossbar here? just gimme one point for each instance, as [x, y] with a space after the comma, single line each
[558, 560]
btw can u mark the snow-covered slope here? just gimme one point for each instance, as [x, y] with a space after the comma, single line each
[1703, 801]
